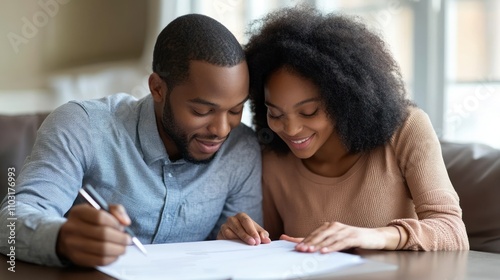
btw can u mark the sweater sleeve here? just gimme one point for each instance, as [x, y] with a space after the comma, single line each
[272, 219]
[439, 225]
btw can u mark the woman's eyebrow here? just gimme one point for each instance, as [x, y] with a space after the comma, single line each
[313, 99]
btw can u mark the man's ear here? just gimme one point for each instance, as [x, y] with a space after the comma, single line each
[158, 87]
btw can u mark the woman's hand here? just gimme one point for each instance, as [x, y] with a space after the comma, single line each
[242, 227]
[291, 239]
[335, 236]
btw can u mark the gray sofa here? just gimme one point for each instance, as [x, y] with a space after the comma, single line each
[17, 136]
[474, 170]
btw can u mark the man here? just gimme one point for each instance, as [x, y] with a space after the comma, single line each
[178, 161]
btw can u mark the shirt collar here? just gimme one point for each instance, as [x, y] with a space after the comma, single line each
[151, 144]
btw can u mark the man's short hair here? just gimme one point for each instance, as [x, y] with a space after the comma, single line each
[193, 37]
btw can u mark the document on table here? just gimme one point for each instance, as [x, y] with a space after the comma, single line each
[223, 259]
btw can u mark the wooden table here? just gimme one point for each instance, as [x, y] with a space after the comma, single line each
[410, 265]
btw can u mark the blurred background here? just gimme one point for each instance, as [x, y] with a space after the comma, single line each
[53, 51]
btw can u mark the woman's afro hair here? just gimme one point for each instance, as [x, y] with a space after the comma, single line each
[358, 79]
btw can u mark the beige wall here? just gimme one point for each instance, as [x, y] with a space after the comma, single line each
[40, 37]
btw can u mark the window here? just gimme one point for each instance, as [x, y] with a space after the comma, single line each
[447, 51]
[472, 98]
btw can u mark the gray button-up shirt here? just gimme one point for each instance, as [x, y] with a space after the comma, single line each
[113, 144]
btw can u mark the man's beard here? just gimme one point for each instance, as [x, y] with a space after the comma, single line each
[179, 137]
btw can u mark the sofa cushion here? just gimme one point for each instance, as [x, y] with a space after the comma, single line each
[18, 134]
[474, 170]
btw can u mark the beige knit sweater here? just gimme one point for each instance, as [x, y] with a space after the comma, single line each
[402, 183]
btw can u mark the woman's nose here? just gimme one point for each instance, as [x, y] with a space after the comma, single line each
[292, 127]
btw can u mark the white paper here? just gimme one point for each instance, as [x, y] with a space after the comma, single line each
[222, 259]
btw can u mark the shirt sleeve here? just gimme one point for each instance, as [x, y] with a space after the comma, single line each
[439, 225]
[48, 185]
[245, 193]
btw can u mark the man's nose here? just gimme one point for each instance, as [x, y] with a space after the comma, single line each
[220, 126]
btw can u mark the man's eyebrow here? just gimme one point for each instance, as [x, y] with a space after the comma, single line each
[313, 99]
[244, 100]
[201, 101]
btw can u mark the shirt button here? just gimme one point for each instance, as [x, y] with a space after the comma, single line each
[170, 175]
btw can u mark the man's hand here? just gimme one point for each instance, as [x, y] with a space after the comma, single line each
[92, 237]
[242, 227]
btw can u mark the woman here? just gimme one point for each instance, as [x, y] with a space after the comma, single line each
[348, 160]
